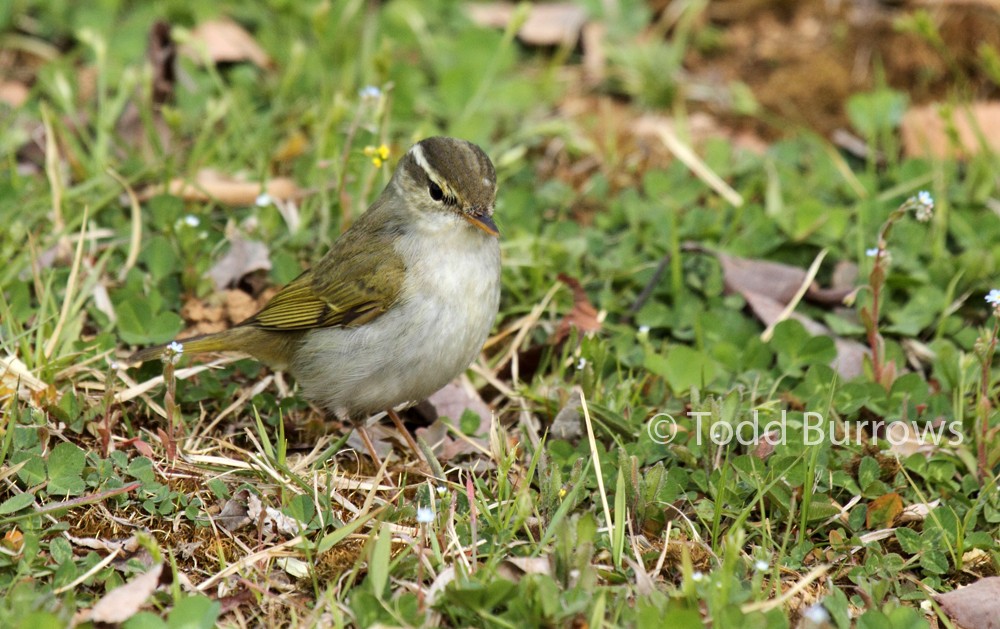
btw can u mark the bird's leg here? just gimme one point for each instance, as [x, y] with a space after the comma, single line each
[363, 433]
[406, 434]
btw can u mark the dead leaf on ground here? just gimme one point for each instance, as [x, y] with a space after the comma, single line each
[849, 362]
[161, 56]
[225, 41]
[127, 599]
[271, 519]
[554, 24]
[235, 513]
[243, 258]
[775, 280]
[209, 185]
[976, 606]
[931, 130]
[514, 568]
[882, 511]
[583, 316]
[13, 93]
[917, 512]
[567, 425]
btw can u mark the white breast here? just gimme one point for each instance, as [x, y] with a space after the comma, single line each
[449, 301]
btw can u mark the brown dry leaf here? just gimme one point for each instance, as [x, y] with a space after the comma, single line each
[976, 606]
[883, 511]
[127, 599]
[13, 93]
[457, 397]
[128, 545]
[916, 512]
[225, 41]
[209, 185]
[584, 317]
[234, 514]
[930, 130]
[906, 439]
[270, 518]
[13, 541]
[243, 258]
[775, 280]
[161, 55]
[849, 362]
[554, 24]
[766, 444]
[516, 567]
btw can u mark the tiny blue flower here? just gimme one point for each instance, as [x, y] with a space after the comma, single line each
[370, 92]
[993, 297]
[176, 347]
[191, 220]
[424, 515]
[698, 575]
[925, 198]
[817, 614]
[871, 253]
[264, 200]
[760, 565]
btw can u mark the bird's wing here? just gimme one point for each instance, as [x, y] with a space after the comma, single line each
[358, 280]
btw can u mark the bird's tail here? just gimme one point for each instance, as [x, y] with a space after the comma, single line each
[224, 341]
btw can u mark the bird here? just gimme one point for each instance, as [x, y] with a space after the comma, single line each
[400, 305]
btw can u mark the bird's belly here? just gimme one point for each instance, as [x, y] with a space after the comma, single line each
[406, 354]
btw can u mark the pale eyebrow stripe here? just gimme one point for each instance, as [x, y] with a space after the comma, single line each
[418, 155]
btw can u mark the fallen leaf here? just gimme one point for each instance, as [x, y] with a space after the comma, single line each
[243, 258]
[775, 280]
[916, 512]
[976, 606]
[127, 599]
[514, 568]
[127, 546]
[931, 130]
[583, 316]
[551, 24]
[271, 518]
[566, 424]
[209, 185]
[849, 362]
[225, 41]
[235, 513]
[13, 93]
[883, 510]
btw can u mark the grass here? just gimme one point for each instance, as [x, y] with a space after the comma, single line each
[634, 511]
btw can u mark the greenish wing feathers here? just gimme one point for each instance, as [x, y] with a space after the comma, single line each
[350, 286]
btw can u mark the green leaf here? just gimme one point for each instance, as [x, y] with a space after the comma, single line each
[683, 368]
[66, 463]
[194, 612]
[16, 503]
[909, 540]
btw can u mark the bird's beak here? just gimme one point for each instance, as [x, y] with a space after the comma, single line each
[482, 219]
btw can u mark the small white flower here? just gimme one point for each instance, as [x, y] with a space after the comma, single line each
[370, 92]
[925, 206]
[760, 565]
[264, 200]
[698, 576]
[425, 515]
[817, 614]
[643, 329]
[172, 353]
[114, 365]
[191, 220]
[871, 253]
[442, 490]
[993, 297]
[581, 363]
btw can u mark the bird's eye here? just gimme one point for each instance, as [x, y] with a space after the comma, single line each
[435, 191]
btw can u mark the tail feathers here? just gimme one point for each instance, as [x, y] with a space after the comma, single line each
[194, 345]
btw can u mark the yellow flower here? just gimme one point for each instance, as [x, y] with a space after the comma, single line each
[379, 154]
